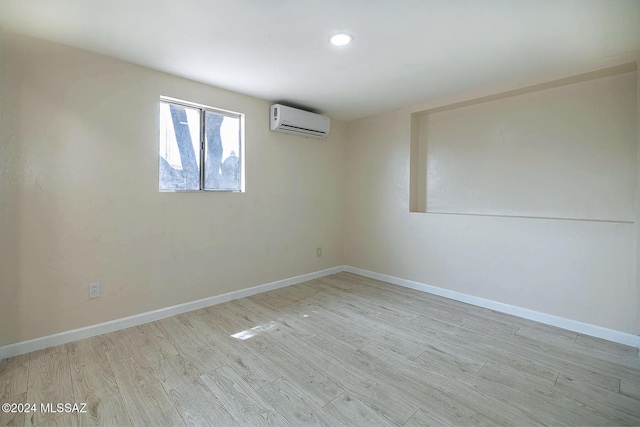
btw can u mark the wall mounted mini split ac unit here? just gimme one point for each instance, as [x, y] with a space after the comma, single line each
[299, 122]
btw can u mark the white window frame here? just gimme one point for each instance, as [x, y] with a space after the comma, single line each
[202, 140]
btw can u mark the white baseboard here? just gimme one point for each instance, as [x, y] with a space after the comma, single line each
[548, 319]
[23, 347]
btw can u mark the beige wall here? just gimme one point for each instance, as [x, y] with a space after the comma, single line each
[563, 152]
[79, 199]
[581, 270]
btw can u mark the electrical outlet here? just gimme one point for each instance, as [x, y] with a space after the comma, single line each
[94, 290]
[319, 252]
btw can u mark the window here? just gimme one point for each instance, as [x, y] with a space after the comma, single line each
[201, 148]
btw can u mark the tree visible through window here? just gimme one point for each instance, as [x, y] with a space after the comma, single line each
[200, 148]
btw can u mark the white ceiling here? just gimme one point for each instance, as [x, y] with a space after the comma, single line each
[404, 51]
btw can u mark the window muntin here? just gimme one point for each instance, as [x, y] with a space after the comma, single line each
[200, 148]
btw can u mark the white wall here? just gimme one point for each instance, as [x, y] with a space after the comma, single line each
[577, 269]
[79, 199]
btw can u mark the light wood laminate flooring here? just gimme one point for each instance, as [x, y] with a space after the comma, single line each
[340, 350]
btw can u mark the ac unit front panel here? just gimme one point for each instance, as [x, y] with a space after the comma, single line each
[291, 120]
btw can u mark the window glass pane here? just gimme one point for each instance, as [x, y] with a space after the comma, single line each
[222, 152]
[179, 147]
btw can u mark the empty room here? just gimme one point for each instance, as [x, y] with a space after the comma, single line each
[292, 213]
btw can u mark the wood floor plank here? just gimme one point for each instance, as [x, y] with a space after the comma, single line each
[469, 391]
[610, 365]
[545, 401]
[310, 378]
[430, 324]
[194, 350]
[441, 306]
[421, 300]
[190, 396]
[152, 344]
[49, 382]
[631, 388]
[425, 419]
[335, 282]
[113, 340]
[442, 344]
[436, 355]
[337, 301]
[233, 318]
[304, 322]
[397, 338]
[619, 407]
[375, 395]
[605, 376]
[607, 347]
[384, 310]
[462, 384]
[474, 351]
[295, 406]
[275, 300]
[559, 336]
[379, 300]
[244, 404]
[453, 401]
[352, 412]
[94, 384]
[324, 322]
[13, 418]
[299, 291]
[252, 367]
[467, 354]
[305, 288]
[292, 325]
[14, 376]
[623, 359]
[361, 298]
[142, 395]
[481, 328]
[323, 300]
[284, 295]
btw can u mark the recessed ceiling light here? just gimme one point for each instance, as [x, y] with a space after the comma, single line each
[340, 39]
